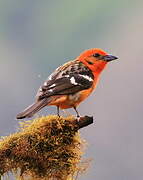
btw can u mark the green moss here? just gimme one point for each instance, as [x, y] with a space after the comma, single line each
[44, 148]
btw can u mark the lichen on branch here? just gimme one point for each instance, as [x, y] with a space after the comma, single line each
[46, 148]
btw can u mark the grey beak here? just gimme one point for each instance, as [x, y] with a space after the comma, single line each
[109, 58]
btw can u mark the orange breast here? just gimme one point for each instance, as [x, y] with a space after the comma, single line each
[69, 101]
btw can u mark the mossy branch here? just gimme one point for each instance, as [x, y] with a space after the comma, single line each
[47, 148]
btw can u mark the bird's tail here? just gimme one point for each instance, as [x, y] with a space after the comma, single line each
[32, 109]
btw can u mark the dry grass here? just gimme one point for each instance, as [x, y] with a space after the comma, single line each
[46, 148]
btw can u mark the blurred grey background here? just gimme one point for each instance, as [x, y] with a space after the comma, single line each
[38, 36]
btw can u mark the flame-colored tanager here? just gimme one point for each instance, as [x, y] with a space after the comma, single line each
[70, 83]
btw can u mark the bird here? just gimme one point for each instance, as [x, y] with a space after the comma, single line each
[71, 83]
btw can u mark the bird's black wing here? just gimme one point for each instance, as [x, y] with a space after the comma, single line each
[66, 85]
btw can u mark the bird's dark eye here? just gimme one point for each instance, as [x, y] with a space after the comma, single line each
[96, 55]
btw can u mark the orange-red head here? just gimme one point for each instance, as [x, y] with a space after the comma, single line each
[96, 59]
